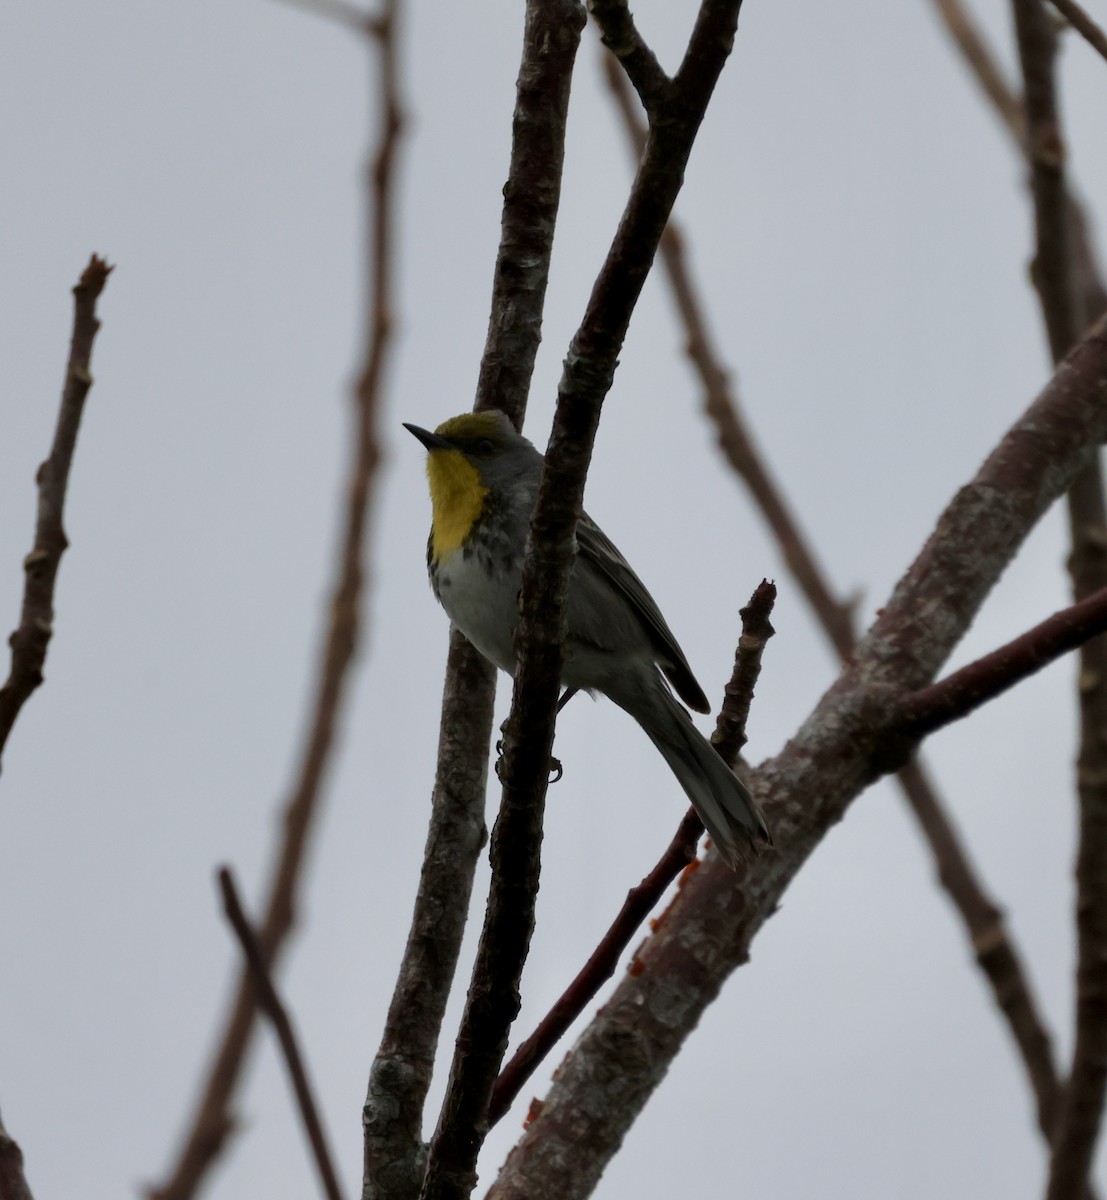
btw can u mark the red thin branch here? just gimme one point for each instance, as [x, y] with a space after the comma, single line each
[212, 1121]
[270, 1004]
[729, 738]
[36, 624]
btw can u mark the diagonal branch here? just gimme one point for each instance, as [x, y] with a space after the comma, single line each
[950, 699]
[1082, 22]
[729, 738]
[620, 35]
[212, 1121]
[270, 1003]
[983, 918]
[626, 1050]
[983, 66]
[36, 623]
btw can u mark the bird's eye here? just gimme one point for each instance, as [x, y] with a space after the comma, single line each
[486, 446]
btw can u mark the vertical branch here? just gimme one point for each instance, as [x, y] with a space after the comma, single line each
[589, 367]
[395, 1156]
[36, 624]
[531, 196]
[212, 1121]
[1082, 22]
[1076, 1126]
[392, 1118]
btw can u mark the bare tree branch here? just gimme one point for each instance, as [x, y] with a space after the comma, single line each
[982, 917]
[728, 739]
[589, 367]
[36, 623]
[950, 699]
[983, 66]
[13, 1183]
[1080, 20]
[551, 42]
[1086, 281]
[620, 35]
[981, 63]
[602, 1085]
[270, 1004]
[212, 1121]
[1052, 267]
[1077, 1122]
[395, 1157]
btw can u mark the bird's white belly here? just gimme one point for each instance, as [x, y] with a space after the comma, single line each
[484, 608]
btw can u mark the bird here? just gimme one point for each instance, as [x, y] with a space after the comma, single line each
[483, 478]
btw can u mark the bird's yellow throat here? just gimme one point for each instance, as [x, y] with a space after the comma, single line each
[457, 500]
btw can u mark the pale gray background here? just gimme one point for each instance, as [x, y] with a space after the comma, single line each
[862, 232]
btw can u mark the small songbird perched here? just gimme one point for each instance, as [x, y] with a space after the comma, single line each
[483, 485]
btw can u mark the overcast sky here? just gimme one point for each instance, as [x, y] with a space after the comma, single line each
[861, 231]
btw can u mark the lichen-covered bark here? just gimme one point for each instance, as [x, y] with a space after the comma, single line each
[625, 1052]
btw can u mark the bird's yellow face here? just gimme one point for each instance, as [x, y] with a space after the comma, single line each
[456, 487]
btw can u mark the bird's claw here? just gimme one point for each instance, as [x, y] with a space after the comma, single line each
[554, 768]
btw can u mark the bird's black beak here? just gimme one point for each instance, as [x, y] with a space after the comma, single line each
[431, 440]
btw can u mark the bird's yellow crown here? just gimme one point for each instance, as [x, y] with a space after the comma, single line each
[456, 487]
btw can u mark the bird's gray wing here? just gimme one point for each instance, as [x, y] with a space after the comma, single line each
[600, 552]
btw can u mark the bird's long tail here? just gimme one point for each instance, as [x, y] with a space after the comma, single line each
[724, 805]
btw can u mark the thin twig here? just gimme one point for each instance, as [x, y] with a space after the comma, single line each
[36, 623]
[728, 740]
[620, 35]
[270, 1004]
[982, 917]
[212, 1122]
[963, 692]
[729, 737]
[1080, 20]
[13, 1183]
[983, 66]
[988, 74]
